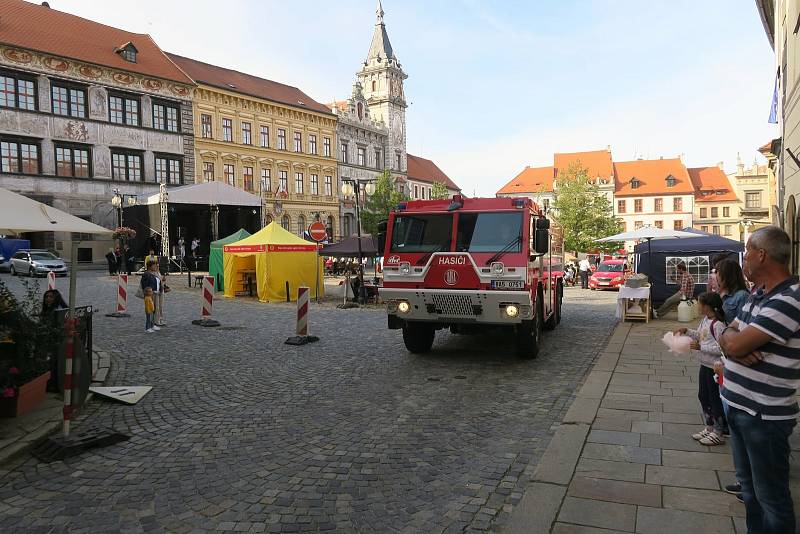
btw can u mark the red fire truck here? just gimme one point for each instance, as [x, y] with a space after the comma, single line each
[470, 264]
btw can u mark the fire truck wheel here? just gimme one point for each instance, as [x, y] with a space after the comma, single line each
[529, 336]
[418, 337]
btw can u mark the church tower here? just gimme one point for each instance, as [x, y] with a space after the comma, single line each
[381, 78]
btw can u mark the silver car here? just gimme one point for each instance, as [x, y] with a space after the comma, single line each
[37, 262]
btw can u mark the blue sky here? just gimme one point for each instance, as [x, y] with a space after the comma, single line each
[495, 86]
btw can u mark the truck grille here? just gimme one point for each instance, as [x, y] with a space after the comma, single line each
[453, 305]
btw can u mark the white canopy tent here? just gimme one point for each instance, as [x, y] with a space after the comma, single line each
[209, 194]
[649, 233]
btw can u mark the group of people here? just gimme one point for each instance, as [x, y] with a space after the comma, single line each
[748, 346]
[153, 287]
[341, 266]
[120, 260]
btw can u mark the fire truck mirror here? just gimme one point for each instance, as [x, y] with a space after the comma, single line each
[381, 237]
[542, 224]
[542, 241]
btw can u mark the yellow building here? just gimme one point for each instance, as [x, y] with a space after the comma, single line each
[267, 138]
[756, 187]
[716, 206]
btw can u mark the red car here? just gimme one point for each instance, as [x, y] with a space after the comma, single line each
[611, 274]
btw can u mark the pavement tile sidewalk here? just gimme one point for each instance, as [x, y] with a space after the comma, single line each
[623, 459]
[20, 433]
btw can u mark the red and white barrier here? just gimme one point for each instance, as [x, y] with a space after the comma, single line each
[302, 310]
[51, 280]
[122, 293]
[69, 349]
[208, 295]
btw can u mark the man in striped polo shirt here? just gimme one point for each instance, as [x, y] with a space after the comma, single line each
[762, 374]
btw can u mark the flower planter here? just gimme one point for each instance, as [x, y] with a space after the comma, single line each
[28, 397]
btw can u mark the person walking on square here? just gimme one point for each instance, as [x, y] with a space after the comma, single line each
[761, 377]
[706, 349]
[584, 267]
[685, 291]
[149, 311]
[112, 262]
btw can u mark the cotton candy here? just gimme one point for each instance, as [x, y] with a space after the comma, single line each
[677, 343]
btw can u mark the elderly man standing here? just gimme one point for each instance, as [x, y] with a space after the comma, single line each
[762, 373]
[685, 290]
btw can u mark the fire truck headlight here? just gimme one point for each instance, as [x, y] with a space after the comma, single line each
[498, 268]
[403, 306]
[405, 268]
[512, 310]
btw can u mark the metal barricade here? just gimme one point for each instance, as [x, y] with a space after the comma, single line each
[82, 372]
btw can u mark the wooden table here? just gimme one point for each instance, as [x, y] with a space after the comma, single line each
[634, 311]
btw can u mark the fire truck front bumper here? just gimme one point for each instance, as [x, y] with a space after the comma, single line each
[457, 306]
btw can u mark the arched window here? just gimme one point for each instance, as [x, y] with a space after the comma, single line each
[374, 85]
[360, 111]
[285, 222]
[301, 225]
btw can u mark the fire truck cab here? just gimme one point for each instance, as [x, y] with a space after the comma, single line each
[470, 264]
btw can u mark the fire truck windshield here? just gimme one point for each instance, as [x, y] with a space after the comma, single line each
[489, 232]
[422, 233]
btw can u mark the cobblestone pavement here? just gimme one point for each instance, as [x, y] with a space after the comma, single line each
[351, 434]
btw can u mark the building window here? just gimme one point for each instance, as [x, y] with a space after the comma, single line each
[378, 159]
[285, 222]
[703, 213]
[621, 206]
[398, 160]
[659, 224]
[329, 185]
[326, 146]
[671, 181]
[165, 117]
[266, 186]
[362, 156]
[281, 139]
[715, 229]
[73, 161]
[68, 100]
[227, 130]
[247, 133]
[265, 136]
[283, 181]
[346, 226]
[229, 171]
[714, 213]
[659, 205]
[301, 225]
[343, 157]
[314, 184]
[704, 228]
[637, 205]
[123, 109]
[635, 183]
[312, 144]
[298, 142]
[17, 91]
[423, 192]
[637, 224]
[126, 166]
[247, 173]
[19, 156]
[298, 183]
[726, 212]
[752, 199]
[208, 171]
[677, 204]
[727, 229]
[329, 229]
[205, 126]
[168, 170]
[416, 191]
[677, 225]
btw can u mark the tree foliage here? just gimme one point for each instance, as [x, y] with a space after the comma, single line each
[377, 206]
[584, 213]
[439, 191]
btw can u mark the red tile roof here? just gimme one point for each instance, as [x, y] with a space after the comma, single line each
[530, 180]
[597, 162]
[246, 84]
[652, 176]
[424, 170]
[711, 185]
[34, 27]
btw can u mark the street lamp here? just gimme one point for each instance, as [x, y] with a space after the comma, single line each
[353, 186]
[119, 201]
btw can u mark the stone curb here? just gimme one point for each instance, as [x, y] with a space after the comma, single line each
[101, 363]
[542, 500]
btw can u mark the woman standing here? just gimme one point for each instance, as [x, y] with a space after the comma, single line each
[152, 279]
[732, 288]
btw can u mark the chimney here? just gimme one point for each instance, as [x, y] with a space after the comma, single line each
[608, 148]
[682, 156]
[721, 165]
[46, 4]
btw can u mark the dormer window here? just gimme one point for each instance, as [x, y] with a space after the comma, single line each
[127, 52]
[635, 183]
[671, 181]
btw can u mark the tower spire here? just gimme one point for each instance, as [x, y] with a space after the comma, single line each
[379, 12]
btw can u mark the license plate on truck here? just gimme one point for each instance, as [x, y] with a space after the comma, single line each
[508, 284]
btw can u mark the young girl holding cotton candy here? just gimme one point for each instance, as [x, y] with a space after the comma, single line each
[705, 348]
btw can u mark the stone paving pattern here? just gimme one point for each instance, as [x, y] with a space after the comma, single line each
[352, 434]
[636, 468]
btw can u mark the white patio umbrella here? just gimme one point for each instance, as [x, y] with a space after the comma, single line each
[649, 233]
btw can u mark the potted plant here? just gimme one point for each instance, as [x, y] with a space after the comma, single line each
[27, 344]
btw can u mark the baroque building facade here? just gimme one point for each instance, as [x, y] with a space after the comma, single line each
[79, 122]
[268, 139]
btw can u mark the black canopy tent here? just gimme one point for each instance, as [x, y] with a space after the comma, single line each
[696, 252]
[349, 248]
